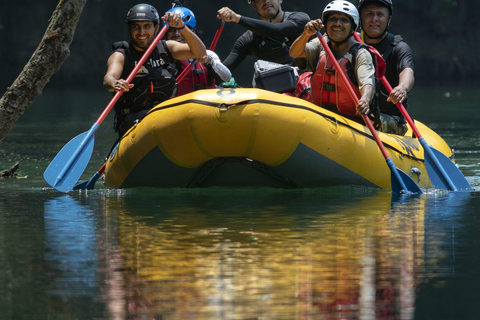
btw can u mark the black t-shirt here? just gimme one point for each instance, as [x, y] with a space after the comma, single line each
[267, 41]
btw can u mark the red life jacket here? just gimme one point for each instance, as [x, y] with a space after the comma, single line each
[328, 89]
[196, 79]
[303, 88]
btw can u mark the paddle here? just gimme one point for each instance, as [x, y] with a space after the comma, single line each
[69, 164]
[90, 184]
[443, 173]
[401, 182]
[217, 36]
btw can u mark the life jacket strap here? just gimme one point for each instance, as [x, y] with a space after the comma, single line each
[329, 87]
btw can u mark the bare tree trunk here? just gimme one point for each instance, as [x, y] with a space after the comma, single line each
[45, 61]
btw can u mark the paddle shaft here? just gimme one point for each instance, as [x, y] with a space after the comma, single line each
[365, 117]
[90, 184]
[426, 147]
[217, 36]
[212, 47]
[101, 170]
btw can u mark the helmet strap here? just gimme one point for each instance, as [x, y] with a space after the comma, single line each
[178, 3]
[276, 15]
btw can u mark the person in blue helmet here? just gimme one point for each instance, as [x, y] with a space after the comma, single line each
[155, 81]
[203, 70]
[268, 38]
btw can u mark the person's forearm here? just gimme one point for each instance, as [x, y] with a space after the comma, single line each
[297, 50]
[267, 29]
[108, 83]
[366, 93]
[197, 47]
[363, 106]
[406, 79]
[233, 61]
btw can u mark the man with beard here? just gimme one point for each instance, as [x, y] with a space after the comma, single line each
[155, 81]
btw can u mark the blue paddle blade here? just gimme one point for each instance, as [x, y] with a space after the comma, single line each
[70, 163]
[443, 173]
[401, 182]
[408, 182]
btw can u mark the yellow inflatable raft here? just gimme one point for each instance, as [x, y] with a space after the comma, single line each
[254, 137]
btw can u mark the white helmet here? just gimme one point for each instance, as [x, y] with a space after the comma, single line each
[342, 7]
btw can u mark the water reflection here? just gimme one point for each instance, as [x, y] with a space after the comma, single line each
[176, 254]
[70, 246]
[205, 259]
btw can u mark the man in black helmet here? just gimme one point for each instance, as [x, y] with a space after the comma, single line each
[155, 81]
[269, 38]
[375, 17]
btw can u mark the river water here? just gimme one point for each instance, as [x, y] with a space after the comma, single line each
[327, 253]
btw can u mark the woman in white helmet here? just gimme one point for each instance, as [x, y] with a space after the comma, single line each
[340, 19]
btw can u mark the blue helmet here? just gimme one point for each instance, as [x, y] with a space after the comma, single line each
[186, 15]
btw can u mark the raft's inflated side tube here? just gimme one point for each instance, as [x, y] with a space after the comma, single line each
[211, 137]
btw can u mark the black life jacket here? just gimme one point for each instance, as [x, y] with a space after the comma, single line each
[381, 92]
[154, 83]
[396, 40]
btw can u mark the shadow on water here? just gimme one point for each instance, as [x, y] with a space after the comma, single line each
[255, 254]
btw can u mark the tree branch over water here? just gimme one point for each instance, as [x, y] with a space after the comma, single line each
[52, 52]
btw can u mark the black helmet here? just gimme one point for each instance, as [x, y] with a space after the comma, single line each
[143, 12]
[386, 3]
